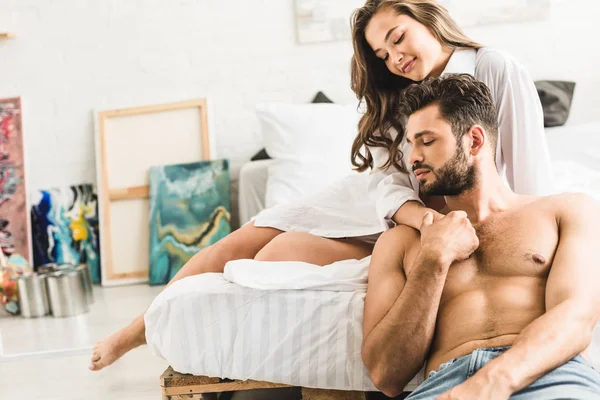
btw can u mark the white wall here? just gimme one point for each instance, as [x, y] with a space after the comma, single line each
[565, 46]
[73, 56]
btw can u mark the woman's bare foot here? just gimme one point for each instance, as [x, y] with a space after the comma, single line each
[113, 347]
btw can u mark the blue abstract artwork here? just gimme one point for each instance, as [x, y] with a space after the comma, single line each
[64, 224]
[190, 209]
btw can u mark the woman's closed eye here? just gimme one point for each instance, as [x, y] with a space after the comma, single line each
[387, 56]
[428, 143]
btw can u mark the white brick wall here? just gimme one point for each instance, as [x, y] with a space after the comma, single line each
[73, 56]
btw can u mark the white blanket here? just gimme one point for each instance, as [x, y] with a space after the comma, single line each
[342, 276]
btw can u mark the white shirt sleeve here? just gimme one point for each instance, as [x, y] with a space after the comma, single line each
[390, 188]
[522, 141]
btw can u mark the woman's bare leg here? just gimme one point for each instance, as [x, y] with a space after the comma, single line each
[246, 242]
[300, 246]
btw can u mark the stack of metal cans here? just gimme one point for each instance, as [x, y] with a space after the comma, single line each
[61, 290]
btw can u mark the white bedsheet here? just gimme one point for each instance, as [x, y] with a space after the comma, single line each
[206, 325]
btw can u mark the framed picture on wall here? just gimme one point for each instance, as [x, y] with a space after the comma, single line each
[479, 13]
[324, 20]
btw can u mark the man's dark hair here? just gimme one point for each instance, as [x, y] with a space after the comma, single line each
[463, 102]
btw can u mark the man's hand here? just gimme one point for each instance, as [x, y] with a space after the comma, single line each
[476, 388]
[451, 237]
[436, 215]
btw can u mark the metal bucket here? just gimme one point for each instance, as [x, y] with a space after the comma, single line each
[66, 293]
[47, 268]
[86, 274]
[33, 296]
[65, 267]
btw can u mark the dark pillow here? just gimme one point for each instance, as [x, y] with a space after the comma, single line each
[556, 97]
[321, 98]
[262, 154]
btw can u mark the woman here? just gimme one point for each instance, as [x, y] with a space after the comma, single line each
[342, 223]
[397, 43]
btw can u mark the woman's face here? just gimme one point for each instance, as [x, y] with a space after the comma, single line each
[407, 47]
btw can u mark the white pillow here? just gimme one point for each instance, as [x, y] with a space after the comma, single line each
[310, 145]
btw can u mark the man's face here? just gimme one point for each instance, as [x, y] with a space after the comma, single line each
[439, 162]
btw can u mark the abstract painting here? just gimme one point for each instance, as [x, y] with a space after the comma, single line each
[65, 227]
[190, 209]
[480, 13]
[324, 20]
[14, 218]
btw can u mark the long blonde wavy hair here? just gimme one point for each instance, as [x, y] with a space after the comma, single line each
[380, 89]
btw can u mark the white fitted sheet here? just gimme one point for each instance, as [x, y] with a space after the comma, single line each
[206, 325]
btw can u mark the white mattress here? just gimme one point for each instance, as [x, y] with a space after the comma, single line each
[206, 325]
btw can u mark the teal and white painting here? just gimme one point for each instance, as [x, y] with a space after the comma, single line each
[190, 209]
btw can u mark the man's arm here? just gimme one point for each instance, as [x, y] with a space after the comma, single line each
[400, 312]
[572, 302]
[400, 315]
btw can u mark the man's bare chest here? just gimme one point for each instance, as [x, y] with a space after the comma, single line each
[518, 244]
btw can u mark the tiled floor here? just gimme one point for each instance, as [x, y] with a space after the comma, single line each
[112, 309]
[28, 371]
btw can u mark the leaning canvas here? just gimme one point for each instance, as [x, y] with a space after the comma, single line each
[14, 216]
[65, 227]
[190, 209]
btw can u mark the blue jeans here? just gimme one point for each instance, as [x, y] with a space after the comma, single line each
[576, 379]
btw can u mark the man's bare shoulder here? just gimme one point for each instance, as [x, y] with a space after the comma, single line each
[398, 243]
[569, 205]
[404, 233]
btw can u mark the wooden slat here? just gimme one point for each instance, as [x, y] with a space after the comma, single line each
[136, 192]
[174, 383]
[124, 112]
[221, 387]
[177, 386]
[204, 127]
[129, 275]
[171, 378]
[324, 394]
[105, 229]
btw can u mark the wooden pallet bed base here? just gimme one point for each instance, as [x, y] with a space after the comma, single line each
[176, 386]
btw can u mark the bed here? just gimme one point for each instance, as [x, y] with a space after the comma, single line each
[288, 323]
[575, 160]
[265, 337]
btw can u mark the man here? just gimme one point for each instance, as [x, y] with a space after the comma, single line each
[500, 296]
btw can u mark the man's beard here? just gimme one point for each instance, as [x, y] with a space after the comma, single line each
[453, 178]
